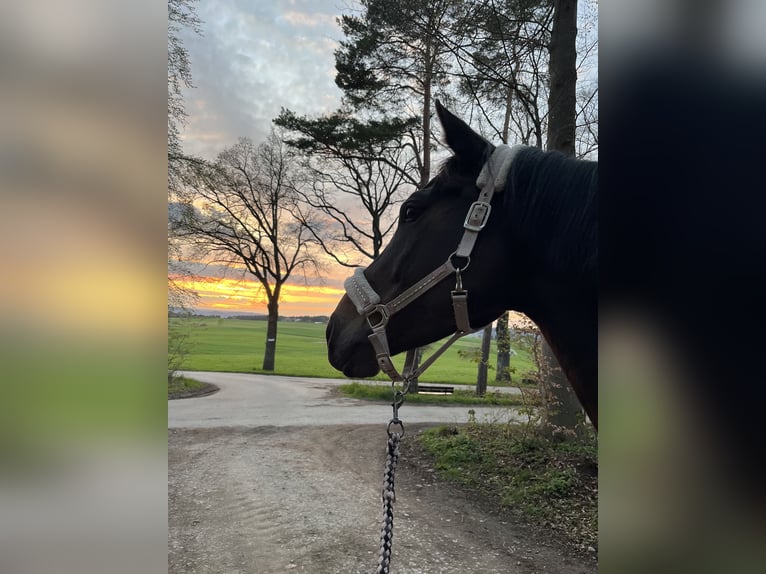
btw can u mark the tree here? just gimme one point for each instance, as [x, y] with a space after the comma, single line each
[481, 377]
[244, 209]
[504, 55]
[502, 336]
[562, 98]
[586, 127]
[394, 58]
[560, 405]
[561, 137]
[500, 50]
[181, 14]
[358, 172]
[180, 302]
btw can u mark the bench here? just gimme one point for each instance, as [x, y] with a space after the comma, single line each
[436, 389]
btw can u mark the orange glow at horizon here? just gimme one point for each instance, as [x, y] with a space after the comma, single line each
[247, 296]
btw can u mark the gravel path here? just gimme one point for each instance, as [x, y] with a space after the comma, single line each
[258, 400]
[265, 498]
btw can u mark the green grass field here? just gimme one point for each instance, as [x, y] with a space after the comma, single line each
[236, 345]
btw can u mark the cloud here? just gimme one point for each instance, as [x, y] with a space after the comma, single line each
[306, 19]
[253, 59]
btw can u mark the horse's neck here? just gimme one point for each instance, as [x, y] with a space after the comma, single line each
[551, 212]
[551, 216]
[567, 315]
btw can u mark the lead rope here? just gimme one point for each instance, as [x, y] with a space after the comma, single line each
[388, 494]
[389, 497]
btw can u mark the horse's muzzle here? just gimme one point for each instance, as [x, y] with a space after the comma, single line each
[348, 348]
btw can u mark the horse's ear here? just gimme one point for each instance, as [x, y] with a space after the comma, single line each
[466, 143]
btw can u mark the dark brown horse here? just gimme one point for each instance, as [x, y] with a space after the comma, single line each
[536, 253]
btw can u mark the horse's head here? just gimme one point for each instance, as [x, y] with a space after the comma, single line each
[431, 224]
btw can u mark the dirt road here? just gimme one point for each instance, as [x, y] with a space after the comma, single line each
[258, 400]
[268, 499]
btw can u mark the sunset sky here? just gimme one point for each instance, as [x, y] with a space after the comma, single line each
[253, 59]
[246, 296]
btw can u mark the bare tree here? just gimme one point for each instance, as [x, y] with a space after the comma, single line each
[244, 209]
[586, 127]
[181, 14]
[357, 173]
[354, 237]
[586, 117]
[500, 52]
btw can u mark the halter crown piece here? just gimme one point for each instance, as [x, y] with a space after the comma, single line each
[492, 179]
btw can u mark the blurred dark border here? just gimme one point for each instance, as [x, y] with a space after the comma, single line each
[83, 227]
[683, 271]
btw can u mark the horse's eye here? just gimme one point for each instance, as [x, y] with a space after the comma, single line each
[410, 213]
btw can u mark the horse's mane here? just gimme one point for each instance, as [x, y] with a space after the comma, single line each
[552, 201]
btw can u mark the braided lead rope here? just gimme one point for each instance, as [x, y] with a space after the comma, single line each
[389, 497]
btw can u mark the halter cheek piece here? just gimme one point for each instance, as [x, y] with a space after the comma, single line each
[368, 303]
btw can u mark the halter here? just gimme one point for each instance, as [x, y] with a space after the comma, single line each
[368, 302]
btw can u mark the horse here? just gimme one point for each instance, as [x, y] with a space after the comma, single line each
[532, 231]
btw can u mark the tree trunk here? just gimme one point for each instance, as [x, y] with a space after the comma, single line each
[503, 338]
[561, 408]
[502, 335]
[481, 379]
[425, 173]
[271, 335]
[507, 117]
[562, 66]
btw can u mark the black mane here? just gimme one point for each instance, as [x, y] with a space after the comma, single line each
[552, 201]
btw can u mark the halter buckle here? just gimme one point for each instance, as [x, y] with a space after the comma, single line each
[477, 216]
[381, 310]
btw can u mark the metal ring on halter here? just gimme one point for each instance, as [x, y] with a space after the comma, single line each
[454, 267]
[393, 422]
[384, 316]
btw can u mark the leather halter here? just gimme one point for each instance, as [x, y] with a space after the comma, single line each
[368, 303]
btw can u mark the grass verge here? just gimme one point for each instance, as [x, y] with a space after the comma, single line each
[181, 386]
[552, 483]
[236, 346]
[459, 397]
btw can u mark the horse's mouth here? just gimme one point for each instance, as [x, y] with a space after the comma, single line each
[355, 359]
[348, 348]
[353, 371]
[358, 362]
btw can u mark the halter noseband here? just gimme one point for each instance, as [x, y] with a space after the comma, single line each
[368, 303]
